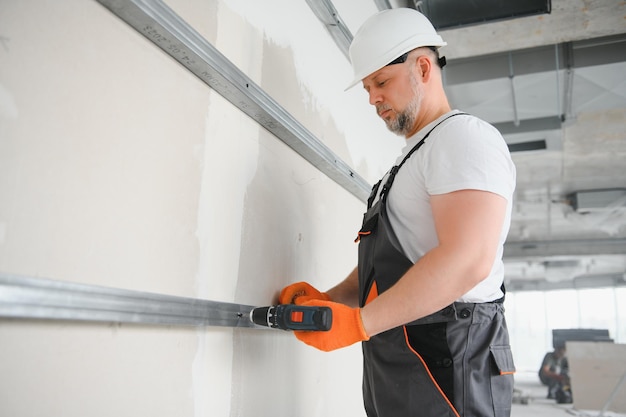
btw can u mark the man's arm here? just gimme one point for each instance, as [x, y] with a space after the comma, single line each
[468, 225]
[347, 291]
[549, 373]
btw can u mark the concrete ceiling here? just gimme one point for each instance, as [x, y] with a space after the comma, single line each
[554, 83]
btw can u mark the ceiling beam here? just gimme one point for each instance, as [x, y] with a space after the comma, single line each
[573, 247]
[580, 282]
[579, 54]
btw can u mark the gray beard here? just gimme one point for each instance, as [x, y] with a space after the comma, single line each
[402, 123]
[405, 119]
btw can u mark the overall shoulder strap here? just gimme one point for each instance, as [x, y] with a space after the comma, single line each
[394, 170]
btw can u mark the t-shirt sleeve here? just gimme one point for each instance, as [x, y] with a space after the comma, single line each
[469, 154]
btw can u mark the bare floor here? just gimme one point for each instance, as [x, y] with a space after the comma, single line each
[530, 401]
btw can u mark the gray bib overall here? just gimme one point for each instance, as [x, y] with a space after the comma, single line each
[456, 362]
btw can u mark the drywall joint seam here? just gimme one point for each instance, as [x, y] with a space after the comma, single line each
[159, 24]
[38, 298]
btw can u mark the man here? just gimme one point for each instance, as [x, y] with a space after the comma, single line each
[426, 297]
[554, 373]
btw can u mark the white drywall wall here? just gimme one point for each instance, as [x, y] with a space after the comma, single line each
[120, 168]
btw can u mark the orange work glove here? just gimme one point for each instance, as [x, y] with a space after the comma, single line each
[346, 329]
[300, 292]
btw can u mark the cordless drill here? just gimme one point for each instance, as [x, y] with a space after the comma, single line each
[293, 317]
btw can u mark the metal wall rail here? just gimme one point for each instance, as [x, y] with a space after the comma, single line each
[38, 298]
[159, 24]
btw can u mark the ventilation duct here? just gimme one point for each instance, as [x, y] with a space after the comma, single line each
[453, 13]
[596, 200]
[533, 145]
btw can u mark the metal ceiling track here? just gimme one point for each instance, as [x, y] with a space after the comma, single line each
[160, 25]
[328, 15]
[38, 298]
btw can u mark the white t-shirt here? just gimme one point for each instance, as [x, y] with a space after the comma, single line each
[463, 152]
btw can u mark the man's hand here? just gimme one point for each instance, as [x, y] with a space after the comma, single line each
[299, 293]
[347, 328]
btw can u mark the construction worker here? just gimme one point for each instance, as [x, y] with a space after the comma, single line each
[554, 373]
[426, 296]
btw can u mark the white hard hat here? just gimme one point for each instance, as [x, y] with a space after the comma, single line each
[387, 35]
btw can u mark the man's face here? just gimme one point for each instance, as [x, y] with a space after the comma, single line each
[397, 95]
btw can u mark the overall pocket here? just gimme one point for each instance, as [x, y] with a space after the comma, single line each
[503, 369]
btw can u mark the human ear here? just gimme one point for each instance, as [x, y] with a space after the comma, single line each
[423, 67]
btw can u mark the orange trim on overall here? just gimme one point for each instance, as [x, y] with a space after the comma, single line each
[372, 294]
[358, 237]
[507, 373]
[406, 338]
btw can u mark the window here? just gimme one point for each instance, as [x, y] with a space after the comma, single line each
[532, 315]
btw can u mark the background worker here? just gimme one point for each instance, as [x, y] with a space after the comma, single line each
[554, 373]
[426, 296]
